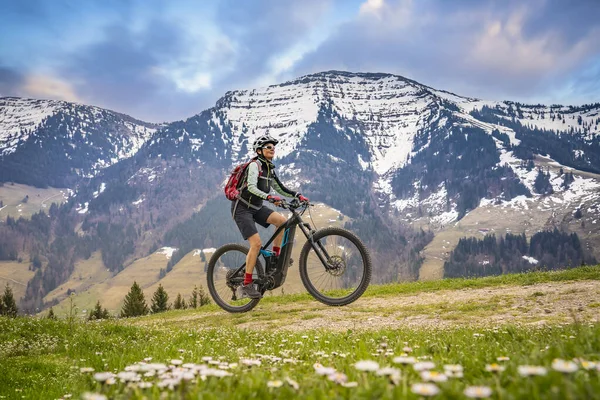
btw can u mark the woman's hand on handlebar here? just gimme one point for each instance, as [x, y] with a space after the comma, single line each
[275, 200]
[303, 199]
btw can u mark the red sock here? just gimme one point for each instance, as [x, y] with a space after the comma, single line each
[277, 250]
[247, 279]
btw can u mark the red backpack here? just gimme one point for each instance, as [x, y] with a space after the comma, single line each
[238, 180]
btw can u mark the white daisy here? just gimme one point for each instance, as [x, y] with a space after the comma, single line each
[564, 366]
[588, 365]
[338, 378]
[423, 366]
[478, 392]
[433, 376]
[103, 376]
[366, 365]
[292, 383]
[424, 389]
[93, 396]
[531, 370]
[404, 360]
[453, 368]
[494, 368]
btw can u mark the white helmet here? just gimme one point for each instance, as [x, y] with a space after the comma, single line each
[262, 140]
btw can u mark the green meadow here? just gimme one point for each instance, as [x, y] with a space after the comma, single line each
[202, 354]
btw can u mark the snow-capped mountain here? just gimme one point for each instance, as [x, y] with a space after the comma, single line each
[383, 150]
[411, 145]
[63, 140]
[401, 143]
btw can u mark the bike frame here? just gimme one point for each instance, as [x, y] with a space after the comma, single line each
[287, 244]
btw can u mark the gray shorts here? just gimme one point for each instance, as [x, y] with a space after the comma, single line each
[246, 218]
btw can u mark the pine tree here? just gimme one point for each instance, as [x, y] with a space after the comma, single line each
[51, 314]
[160, 300]
[98, 312]
[9, 305]
[179, 303]
[203, 298]
[194, 298]
[134, 304]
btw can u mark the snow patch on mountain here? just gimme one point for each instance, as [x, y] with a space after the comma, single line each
[530, 260]
[556, 118]
[526, 177]
[387, 109]
[19, 118]
[104, 136]
[167, 251]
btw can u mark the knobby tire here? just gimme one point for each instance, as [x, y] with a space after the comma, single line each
[210, 273]
[365, 256]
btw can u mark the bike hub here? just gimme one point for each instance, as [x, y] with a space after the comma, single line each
[336, 266]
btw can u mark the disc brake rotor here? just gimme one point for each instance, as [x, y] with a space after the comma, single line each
[336, 266]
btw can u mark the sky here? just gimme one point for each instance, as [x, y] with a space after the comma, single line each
[163, 61]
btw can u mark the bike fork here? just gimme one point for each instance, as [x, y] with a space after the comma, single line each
[317, 246]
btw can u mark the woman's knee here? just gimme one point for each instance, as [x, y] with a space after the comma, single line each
[276, 219]
[254, 241]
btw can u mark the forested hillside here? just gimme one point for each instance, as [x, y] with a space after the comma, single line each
[512, 253]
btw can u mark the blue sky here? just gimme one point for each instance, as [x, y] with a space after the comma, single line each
[168, 60]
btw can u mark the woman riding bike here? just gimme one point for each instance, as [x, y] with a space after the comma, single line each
[248, 209]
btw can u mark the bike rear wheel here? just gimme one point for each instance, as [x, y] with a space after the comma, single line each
[347, 274]
[223, 285]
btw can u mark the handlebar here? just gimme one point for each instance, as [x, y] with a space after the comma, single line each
[292, 205]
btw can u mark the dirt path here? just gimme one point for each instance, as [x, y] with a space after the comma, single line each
[535, 304]
[539, 304]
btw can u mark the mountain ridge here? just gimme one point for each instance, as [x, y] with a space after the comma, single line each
[402, 160]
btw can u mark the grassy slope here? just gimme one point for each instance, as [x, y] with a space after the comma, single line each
[16, 275]
[86, 274]
[112, 290]
[41, 358]
[39, 199]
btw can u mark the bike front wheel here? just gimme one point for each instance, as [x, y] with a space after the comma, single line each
[224, 284]
[347, 272]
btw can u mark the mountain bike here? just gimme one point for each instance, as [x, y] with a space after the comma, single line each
[335, 266]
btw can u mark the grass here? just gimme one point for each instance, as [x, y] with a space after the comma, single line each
[39, 199]
[16, 274]
[42, 358]
[523, 279]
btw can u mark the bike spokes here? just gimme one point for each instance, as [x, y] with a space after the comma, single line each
[226, 274]
[343, 273]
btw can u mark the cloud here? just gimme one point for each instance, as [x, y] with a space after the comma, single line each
[123, 71]
[172, 68]
[162, 61]
[371, 7]
[40, 86]
[478, 49]
[263, 32]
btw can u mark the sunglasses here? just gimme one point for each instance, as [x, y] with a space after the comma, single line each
[269, 147]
